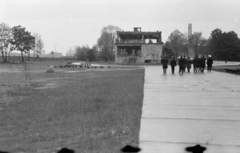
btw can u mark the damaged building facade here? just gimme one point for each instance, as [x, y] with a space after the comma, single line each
[138, 47]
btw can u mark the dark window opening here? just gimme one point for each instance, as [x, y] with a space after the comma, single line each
[129, 51]
[148, 61]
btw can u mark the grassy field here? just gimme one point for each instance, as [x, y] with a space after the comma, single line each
[89, 111]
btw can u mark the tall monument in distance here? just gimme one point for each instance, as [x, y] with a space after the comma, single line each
[190, 48]
[189, 30]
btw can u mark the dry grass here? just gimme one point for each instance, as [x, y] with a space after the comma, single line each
[87, 111]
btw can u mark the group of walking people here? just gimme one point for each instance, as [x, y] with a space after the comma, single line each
[184, 63]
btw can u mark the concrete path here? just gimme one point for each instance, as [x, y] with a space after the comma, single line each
[185, 110]
[222, 63]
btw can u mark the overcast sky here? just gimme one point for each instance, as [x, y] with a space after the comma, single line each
[78, 22]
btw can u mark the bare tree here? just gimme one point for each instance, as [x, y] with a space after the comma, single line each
[23, 40]
[81, 52]
[106, 44]
[176, 39]
[106, 41]
[112, 30]
[184, 44]
[202, 46]
[39, 47]
[6, 37]
[195, 41]
[71, 52]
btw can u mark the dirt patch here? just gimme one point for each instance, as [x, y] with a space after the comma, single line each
[10, 70]
[11, 96]
[46, 86]
[74, 71]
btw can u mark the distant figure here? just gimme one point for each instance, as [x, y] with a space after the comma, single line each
[196, 149]
[203, 63]
[173, 63]
[88, 62]
[188, 63]
[209, 63]
[150, 41]
[181, 65]
[164, 62]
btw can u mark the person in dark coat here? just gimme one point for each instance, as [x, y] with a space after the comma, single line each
[164, 62]
[173, 63]
[188, 64]
[184, 63]
[196, 64]
[209, 63]
[181, 64]
[203, 63]
[199, 66]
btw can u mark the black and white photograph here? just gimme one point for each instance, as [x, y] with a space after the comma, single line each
[119, 76]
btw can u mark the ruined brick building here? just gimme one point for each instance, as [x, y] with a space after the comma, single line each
[138, 47]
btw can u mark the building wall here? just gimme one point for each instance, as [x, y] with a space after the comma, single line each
[149, 52]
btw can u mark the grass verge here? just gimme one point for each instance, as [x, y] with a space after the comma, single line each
[222, 68]
[87, 111]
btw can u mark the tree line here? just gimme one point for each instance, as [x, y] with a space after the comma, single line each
[221, 45]
[102, 50]
[18, 38]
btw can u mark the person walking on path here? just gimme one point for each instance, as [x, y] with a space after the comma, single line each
[195, 64]
[200, 64]
[209, 63]
[184, 63]
[188, 64]
[203, 63]
[164, 62]
[181, 65]
[173, 63]
[226, 59]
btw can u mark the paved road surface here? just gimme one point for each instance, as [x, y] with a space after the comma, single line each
[183, 110]
[216, 63]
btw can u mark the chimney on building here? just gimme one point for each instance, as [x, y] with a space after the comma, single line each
[137, 29]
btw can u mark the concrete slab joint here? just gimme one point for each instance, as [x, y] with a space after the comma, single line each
[185, 110]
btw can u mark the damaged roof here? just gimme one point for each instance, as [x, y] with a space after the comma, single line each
[138, 34]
